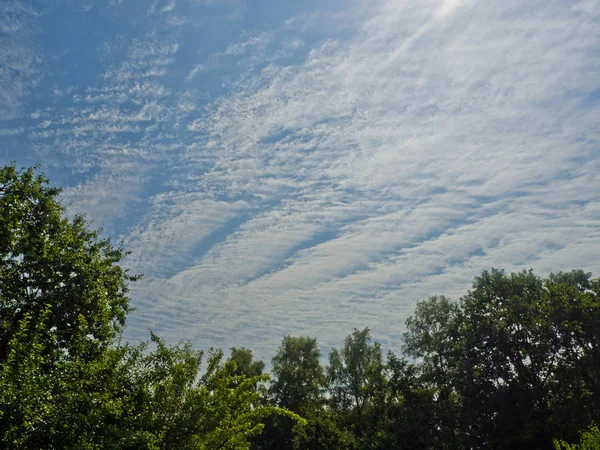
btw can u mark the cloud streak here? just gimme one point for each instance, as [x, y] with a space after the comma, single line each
[20, 58]
[295, 181]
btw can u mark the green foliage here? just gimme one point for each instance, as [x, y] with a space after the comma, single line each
[324, 431]
[516, 362]
[46, 259]
[410, 409]
[298, 386]
[126, 398]
[65, 382]
[50, 399]
[508, 347]
[590, 440]
[435, 338]
[244, 363]
[25, 400]
[299, 376]
[357, 384]
[63, 302]
[177, 406]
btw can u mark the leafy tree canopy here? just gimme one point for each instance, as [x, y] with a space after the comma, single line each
[48, 260]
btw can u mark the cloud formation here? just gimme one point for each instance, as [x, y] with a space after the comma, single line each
[20, 58]
[295, 180]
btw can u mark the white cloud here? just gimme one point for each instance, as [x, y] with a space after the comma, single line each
[146, 58]
[404, 161]
[44, 124]
[450, 7]
[20, 58]
[197, 69]
[168, 7]
[246, 42]
[330, 182]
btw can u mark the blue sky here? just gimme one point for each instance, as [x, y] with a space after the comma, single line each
[310, 167]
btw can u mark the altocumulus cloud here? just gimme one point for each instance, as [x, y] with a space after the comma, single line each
[312, 169]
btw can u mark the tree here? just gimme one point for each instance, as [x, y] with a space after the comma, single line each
[46, 259]
[323, 432]
[63, 303]
[299, 377]
[357, 383]
[49, 399]
[511, 358]
[516, 363]
[590, 440]
[66, 382]
[434, 338]
[176, 407]
[244, 363]
[574, 308]
[410, 409]
[297, 385]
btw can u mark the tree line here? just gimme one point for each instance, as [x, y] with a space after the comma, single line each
[514, 363]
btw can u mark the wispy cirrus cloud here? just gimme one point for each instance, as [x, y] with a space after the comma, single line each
[20, 57]
[413, 154]
[329, 171]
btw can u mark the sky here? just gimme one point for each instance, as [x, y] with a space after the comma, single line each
[310, 167]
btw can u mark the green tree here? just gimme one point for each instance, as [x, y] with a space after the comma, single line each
[573, 300]
[178, 407]
[126, 398]
[510, 359]
[65, 380]
[298, 385]
[299, 377]
[434, 338]
[63, 303]
[357, 384]
[590, 440]
[46, 259]
[514, 364]
[324, 431]
[410, 409]
[50, 399]
[245, 364]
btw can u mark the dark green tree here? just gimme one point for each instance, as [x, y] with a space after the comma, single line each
[298, 385]
[357, 385]
[299, 377]
[508, 350]
[324, 431]
[515, 363]
[434, 338]
[245, 364]
[410, 408]
[573, 300]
